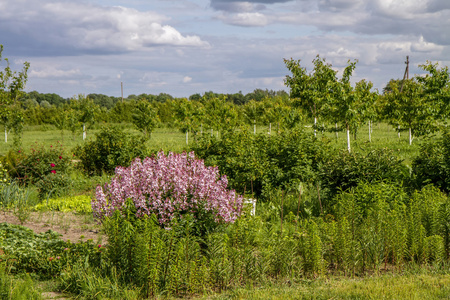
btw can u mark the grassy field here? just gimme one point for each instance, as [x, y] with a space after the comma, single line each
[162, 138]
[383, 136]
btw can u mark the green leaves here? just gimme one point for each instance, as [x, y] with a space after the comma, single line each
[111, 148]
[145, 117]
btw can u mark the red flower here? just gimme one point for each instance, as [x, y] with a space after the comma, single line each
[60, 157]
[53, 171]
[52, 165]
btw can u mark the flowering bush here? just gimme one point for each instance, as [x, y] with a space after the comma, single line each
[47, 167]
[169, 187]
[42, 161]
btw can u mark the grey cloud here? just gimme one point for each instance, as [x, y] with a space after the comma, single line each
[438, 5]
[240, 6]
[338, 5]
[80, 28]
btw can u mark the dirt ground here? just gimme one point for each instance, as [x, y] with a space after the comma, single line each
[71, 226]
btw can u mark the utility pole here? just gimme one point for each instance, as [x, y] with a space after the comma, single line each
[406, 75]
[121, 88]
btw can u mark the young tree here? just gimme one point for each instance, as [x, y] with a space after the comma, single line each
[12, 84]
[410, 109]
[145, 117]
[189, 115]
[310, 91]
[436, 88]
[87, 111]
[350, 106]
[221, 115]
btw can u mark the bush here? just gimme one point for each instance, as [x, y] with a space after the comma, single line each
[343, 170]
[40, 162]
[46, 167]
[260, 163]
[111, 148]
[432, 165]
[170, 187]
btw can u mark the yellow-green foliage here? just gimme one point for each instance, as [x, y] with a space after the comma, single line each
[76, 204]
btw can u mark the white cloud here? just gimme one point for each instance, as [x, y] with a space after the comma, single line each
[245, 19]
[53, 72]
[187, 79]
[423, 46]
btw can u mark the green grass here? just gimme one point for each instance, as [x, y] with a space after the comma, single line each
[382, 136]
[377, 287]
[162, 138]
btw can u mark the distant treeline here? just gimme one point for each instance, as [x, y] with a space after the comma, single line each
[46, 100]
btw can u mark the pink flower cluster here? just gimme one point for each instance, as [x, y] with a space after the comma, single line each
[168, 186]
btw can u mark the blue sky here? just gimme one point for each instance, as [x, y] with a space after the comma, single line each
[182, 47]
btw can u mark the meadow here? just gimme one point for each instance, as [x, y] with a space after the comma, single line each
[376, 240]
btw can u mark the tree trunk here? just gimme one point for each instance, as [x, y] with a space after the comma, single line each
[187, 137]
[348, 139]
[315, 123]
[336, 126]
[84, 131]
[410, 136]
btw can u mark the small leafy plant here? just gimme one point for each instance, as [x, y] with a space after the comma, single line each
[76, 204]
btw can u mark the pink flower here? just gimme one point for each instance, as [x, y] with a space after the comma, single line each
[53, 171]
[167, 184]
[52, 165]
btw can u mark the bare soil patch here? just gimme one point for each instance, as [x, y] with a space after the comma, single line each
[73, 227]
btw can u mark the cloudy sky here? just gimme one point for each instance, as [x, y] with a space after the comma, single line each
[182, 47]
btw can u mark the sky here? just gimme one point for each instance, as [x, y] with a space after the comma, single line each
[183, 47]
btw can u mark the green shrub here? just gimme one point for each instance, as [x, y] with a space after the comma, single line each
[112, 147]
[40, 162]
[46, 167]
[342, 171]
[432, 165]
[260, 163]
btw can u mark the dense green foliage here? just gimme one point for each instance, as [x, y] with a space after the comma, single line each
[341, 171]
[259, 163]
[112, 147]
